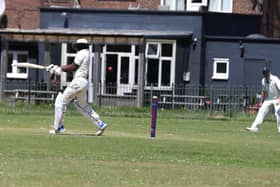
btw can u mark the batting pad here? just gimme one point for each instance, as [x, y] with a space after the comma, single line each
[88, 112]
[59, 111]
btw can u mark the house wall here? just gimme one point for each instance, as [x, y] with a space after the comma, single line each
[25, 13]
[135, 20]
[231, 24]
[22, 14]
[243, 70]
[141, 4]
[244, 7]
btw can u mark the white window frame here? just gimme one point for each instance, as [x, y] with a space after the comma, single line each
[14, 74]
[220, 76]
[131, 55]
[160, 58]
[220, 7]
[173, 6]
[158, 49]
[195, 6]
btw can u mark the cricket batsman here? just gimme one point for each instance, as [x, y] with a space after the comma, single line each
[76, 91]
[270, 97]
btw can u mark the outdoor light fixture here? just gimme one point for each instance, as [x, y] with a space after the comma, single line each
[242, 49]
[194, 42]
[65, 25]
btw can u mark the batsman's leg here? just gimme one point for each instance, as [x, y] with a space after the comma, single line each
[60, 109]
[86, 110]
[277, 114]
[264, 109]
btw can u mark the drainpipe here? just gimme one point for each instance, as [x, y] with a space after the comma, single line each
[3, 68]
[96, 77]
[141, 73]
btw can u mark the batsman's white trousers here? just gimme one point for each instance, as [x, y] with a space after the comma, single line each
[77, 90]
[263, 110]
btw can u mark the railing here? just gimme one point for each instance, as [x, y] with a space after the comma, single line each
[30, 92]
[226, 99]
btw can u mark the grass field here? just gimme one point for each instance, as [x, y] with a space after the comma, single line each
[186, 152]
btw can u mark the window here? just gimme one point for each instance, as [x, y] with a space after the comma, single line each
[194, 5]
[221, 69]
[160, 67]
[152, 50]
[17, 57]
[220, 6]
[119, 68]
[189, 5]
[174, 4]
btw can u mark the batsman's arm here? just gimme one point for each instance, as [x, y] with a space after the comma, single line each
[69, 67]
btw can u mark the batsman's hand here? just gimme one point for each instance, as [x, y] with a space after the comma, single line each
[49, 67]
[54, 69]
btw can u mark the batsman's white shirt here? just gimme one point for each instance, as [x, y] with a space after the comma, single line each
[79, 84]
[82, 60]
[272, 88]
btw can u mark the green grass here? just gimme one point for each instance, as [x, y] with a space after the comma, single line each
[186, 152]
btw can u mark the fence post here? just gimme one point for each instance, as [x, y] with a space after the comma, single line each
[100, 96]
[173, 93]
[29, 89]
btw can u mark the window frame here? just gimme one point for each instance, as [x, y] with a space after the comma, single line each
[195, 6]
[160, 58]
[158, 49]
[220, 76]
[220, 8]
[14, 74]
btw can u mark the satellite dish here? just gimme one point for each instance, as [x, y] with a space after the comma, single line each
[2, 7]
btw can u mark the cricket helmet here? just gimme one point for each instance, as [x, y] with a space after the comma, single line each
[266, 71]
[82, 41]
[80, 44]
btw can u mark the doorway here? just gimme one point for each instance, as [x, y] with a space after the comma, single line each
[117, 74]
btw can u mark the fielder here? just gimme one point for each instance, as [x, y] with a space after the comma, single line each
[270, 97]
[76, 91]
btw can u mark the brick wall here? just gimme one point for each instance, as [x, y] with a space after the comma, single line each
[22, 14]
[244, 7]
[25, 13]
[120, 4]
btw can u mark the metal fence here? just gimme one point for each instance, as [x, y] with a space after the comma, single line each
[226, 99]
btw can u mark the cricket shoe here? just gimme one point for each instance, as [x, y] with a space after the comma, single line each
[251, 129]
[60, 129]
[101, 127]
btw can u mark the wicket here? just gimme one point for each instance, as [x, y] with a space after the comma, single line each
[154, 116]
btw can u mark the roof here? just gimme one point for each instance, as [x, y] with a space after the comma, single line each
[93, 35]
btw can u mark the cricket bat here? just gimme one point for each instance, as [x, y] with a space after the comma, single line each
[29, 65]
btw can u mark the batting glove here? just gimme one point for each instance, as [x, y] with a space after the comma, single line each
[49, 67]
[55, 70]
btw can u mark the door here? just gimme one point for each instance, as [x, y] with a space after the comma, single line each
[253, 68]
[123, 75]
[111, 69]
[117, 74]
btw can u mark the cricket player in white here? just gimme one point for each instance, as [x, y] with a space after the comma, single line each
[76, 91]
[270, 96]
